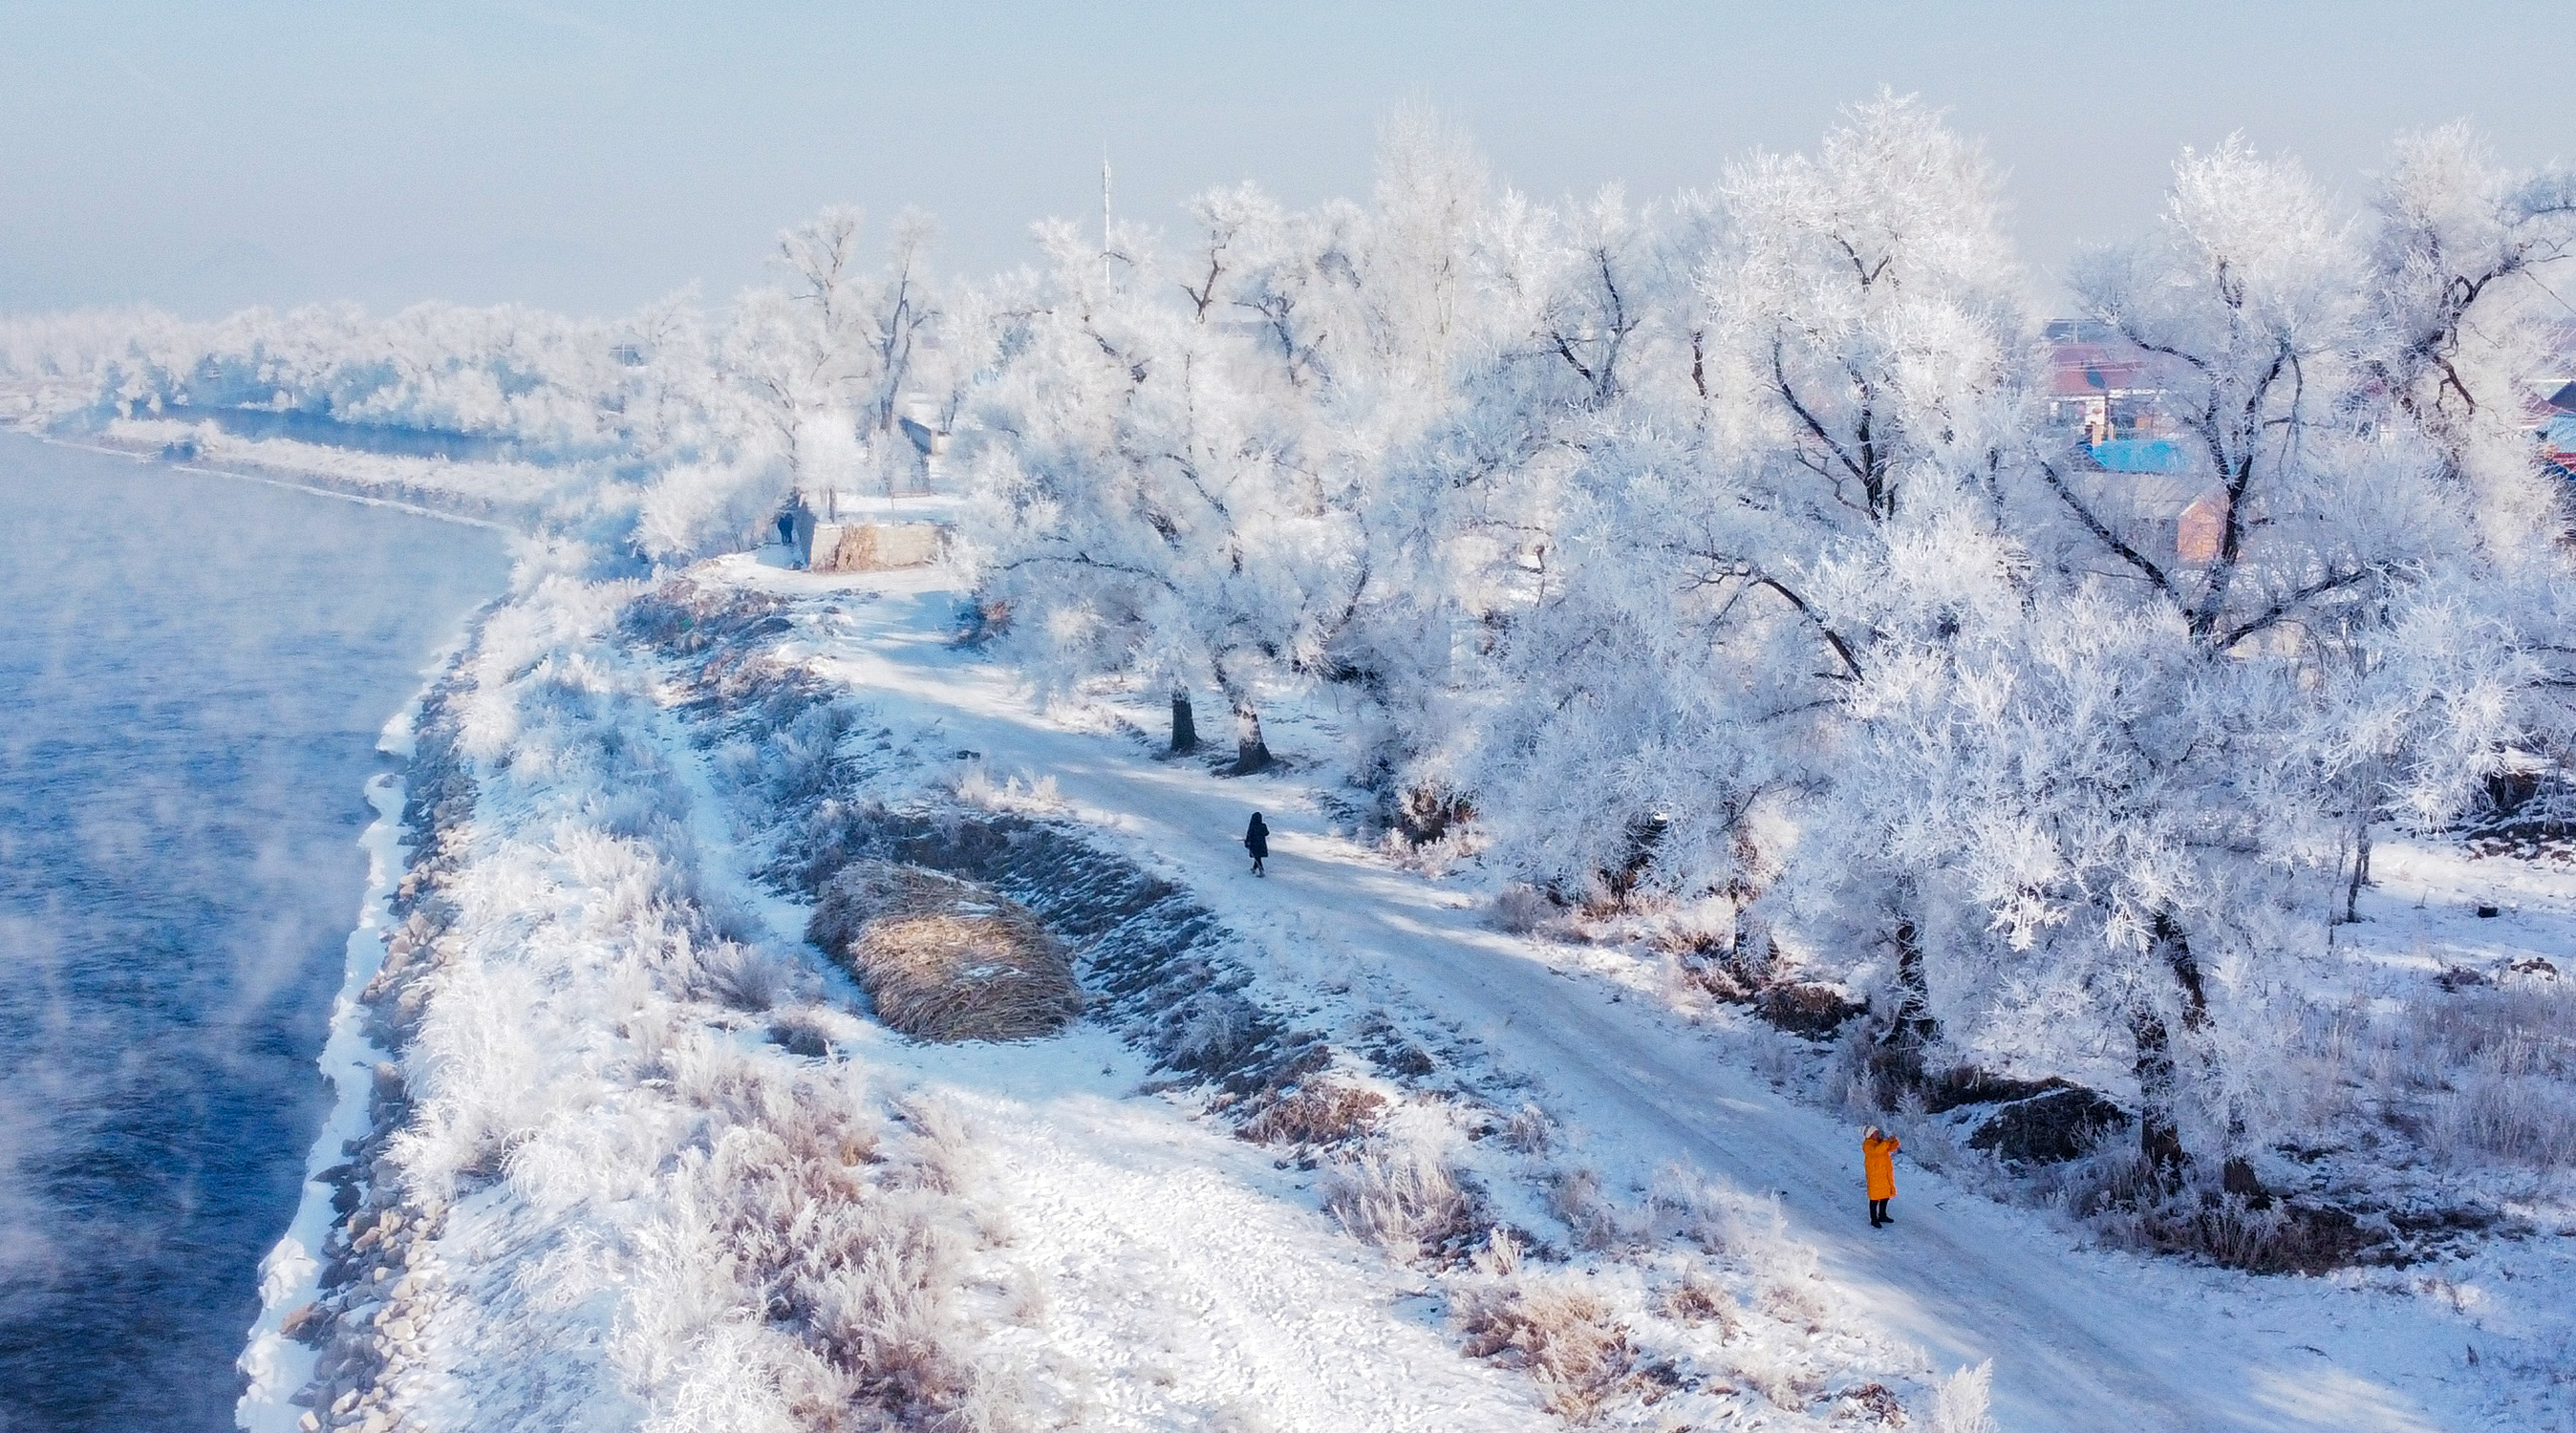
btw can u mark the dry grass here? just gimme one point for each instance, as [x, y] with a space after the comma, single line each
[1402, 1197]
[1696, 1298]
[945, 959]
[1560, 1332]
[1318, 1114]
[2130, 1207]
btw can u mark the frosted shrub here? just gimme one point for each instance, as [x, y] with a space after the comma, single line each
[942, 1155]
[745, 977]
[1960, 1405]
[1778, 1375]
[1563, 1334]
[695, 509]
[802, 751]
[1719, 1220]
[1529, 1131]
[1401, 1196]
[975, 787]
[477, 1072]
[1574, 1197]
[794, 1193]
[1211, 1031]
[1523, 909]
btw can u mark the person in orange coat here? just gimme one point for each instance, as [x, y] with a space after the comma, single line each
[1875, 1152]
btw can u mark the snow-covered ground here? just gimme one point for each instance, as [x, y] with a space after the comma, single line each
[580, 1204]
[642, 1161]
[2080, 1338]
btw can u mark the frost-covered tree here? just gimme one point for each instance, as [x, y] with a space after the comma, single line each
[2465, 313]
[1154, 500]
[828, 357]
[2140, 780]
[1844, 365]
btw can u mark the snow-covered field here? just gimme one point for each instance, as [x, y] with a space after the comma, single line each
[1568, 1189]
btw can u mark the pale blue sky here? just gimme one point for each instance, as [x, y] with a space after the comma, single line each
[594, 156]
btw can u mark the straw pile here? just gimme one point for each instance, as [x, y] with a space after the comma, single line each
[945, 959]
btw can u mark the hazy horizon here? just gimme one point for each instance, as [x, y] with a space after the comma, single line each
[593, 158]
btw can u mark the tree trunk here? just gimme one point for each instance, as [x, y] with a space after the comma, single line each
[2159, 1074]
[1185, 731]
[2360, 871]
[1897, 1064]
[2159, 1135]
[1914, 1020]
[1251, 753]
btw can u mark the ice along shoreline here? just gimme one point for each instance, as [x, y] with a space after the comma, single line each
[276, 1364]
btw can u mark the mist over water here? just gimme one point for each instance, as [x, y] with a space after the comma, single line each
[194, 672]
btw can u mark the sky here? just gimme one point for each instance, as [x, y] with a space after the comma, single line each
[596, 157]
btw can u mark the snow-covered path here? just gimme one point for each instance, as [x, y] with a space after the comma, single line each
[2080, 1341]
[1183, 1299]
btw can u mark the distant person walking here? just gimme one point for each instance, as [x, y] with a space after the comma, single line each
[1256, 839]
[1875, 1152]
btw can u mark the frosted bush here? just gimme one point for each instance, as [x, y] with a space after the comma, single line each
[1574, 1197]
[700, 508]
[1210, 1030]
[1522, 909]
[1563, 1334]
[1960, 1405]
[745, 977]
[1400, 1195]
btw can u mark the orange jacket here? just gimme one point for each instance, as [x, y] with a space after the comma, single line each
[1882, 1170]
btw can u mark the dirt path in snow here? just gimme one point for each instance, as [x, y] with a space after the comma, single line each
[2075, 1346]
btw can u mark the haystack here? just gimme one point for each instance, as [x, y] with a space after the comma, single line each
[945, 959]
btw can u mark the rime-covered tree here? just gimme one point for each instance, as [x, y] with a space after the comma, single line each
[2138, 779]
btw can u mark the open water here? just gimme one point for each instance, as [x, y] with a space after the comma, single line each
[194, 673]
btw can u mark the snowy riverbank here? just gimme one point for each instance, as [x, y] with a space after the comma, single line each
[1331, 1150]
[643, 1160]
[289, 1278]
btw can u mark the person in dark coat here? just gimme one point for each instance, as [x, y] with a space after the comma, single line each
[1256, 839]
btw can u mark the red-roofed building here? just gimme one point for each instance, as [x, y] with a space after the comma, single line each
[2102, 388]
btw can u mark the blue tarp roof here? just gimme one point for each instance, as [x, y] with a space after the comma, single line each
[2139, 455]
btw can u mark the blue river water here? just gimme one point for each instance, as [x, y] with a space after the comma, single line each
[194, 673]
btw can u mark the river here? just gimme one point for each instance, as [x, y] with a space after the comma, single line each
[194, 674]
